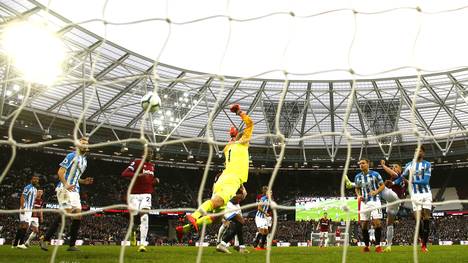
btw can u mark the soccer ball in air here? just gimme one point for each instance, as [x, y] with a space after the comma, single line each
[152, 101]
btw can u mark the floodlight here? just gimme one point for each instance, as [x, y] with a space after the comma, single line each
[35, 50]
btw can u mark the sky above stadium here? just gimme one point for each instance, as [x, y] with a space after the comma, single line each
[297, 44]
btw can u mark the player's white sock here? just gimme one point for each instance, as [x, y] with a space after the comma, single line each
[326, 241]
[144, 228]
[236, 241]
[221, 232]
[224, 243]
[389, 235]
[31, 237]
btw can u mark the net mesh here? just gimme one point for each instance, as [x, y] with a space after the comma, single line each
[162, 77]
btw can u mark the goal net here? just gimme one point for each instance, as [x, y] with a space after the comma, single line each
[303, 120]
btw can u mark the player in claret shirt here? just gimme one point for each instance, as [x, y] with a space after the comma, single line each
[324, 226]
[139, 199]
[395, 190]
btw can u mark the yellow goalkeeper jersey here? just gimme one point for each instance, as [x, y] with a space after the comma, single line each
[236, 153]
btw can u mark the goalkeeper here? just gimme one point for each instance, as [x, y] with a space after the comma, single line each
[235, 173]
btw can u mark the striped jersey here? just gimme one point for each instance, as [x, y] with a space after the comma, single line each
[368, 182]
[29, 195]
[75, 165]
[265, 206]
[421, 176]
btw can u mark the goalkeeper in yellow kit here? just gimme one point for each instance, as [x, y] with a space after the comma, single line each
[235, 173]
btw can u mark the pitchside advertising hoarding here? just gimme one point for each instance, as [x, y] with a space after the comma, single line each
[100, 209]
[449, 213]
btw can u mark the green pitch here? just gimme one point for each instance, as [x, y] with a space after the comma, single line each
[104, 254]
[332, 207]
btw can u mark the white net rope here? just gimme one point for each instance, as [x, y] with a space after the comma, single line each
[209, 137]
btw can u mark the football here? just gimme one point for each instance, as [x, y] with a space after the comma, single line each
[152, 101]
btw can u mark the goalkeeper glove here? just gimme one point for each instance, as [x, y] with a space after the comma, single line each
[348, 183]
[235, 108]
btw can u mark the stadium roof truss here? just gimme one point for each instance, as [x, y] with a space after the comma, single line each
[110, 81]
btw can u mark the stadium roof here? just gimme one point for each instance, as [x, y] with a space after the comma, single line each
[310, 107]
[298, 36]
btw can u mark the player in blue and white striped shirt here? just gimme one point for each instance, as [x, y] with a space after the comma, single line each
[70, 172]
[420, 173]
[261, 218]
[26, 203]
[368, 185]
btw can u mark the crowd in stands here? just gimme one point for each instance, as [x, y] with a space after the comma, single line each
[111, 229]
[179, 188]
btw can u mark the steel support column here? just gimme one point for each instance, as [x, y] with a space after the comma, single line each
[88, 83]
[221, 106]
[361, 120]
[203, 89]
[332, 114]
[442, 104]
[122, 93]
[304, 119]
[409, 103]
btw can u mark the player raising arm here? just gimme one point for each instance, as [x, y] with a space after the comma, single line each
[235, 173]
[392, 193]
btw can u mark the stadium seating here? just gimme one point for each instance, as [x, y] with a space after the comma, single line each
[449, 194]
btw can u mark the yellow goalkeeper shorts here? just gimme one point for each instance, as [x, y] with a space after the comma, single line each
[226, 187]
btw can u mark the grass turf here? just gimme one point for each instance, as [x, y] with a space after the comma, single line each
[103, 254]
[332, 207]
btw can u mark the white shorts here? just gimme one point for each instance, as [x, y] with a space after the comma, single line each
[373, 210]
[230, 206]
[390, 196]
[269, 221]
[323, 234]
[424, 198]
[139, 202]
[67, 199]
[261, 222]
[25, 217]
[34, 221]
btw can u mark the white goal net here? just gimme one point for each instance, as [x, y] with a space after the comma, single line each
[99, 90]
